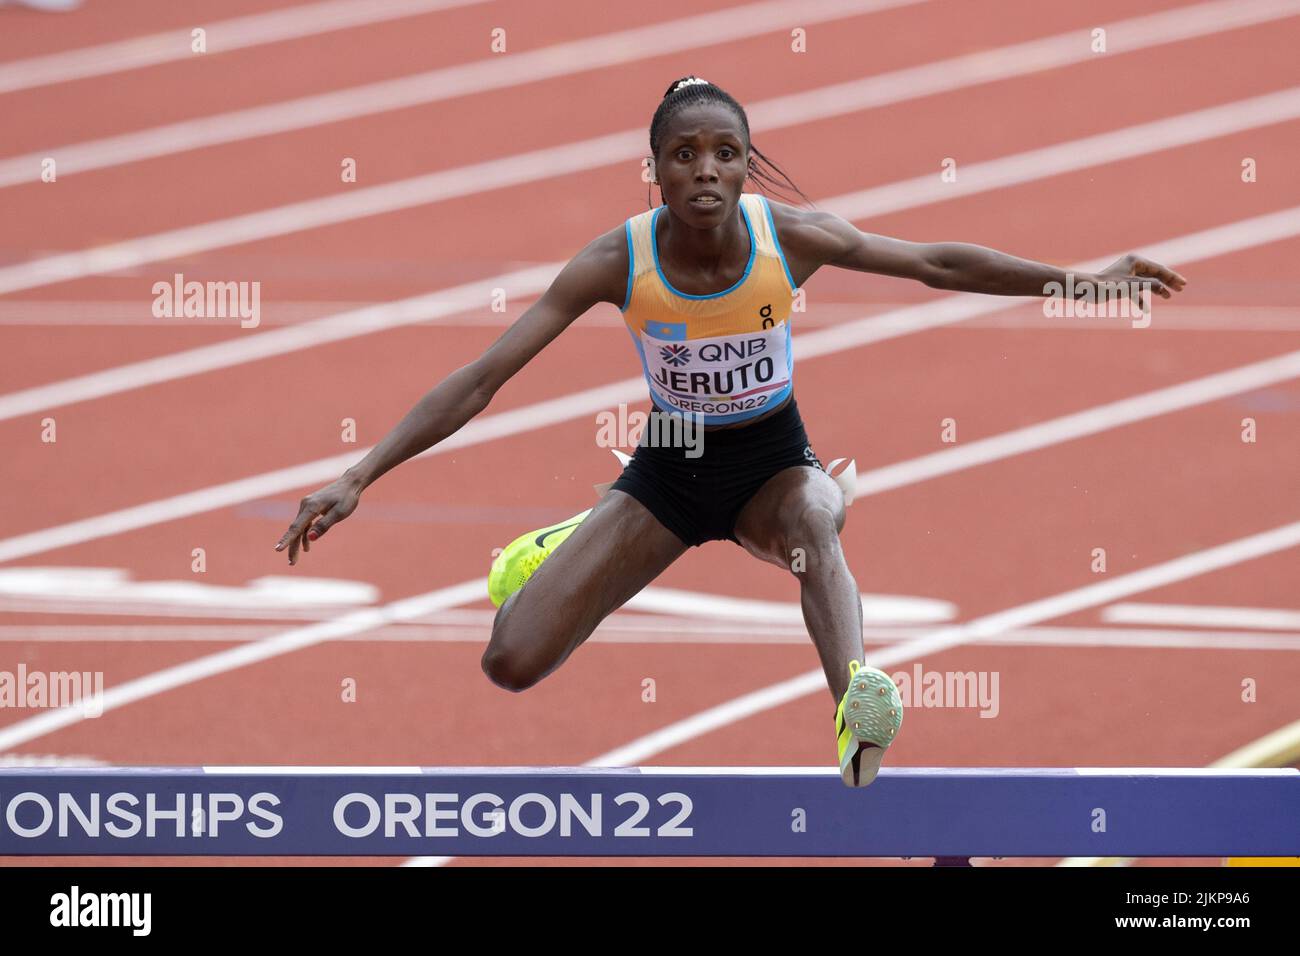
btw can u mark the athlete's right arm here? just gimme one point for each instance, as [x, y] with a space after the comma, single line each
[596, 274]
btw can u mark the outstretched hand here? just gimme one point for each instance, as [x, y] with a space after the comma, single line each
[1139, 273]
[317, 513]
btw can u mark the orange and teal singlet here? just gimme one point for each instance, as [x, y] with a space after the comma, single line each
[724, 357]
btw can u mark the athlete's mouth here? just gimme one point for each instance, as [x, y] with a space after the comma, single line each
[706, 200]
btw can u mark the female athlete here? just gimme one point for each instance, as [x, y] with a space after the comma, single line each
[705, 283]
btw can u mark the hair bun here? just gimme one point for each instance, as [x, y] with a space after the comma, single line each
[686, 81]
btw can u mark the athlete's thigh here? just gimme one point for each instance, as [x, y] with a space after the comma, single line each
[615, 552]
[772, 516]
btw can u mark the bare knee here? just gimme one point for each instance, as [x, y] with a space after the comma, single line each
[508, 671]
[812, 540]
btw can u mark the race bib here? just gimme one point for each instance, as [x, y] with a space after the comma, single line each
[721, 375]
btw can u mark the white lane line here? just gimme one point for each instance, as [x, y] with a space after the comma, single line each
[240, 350]
[1060, 158]
[111, 591]
[990, 625]
[594, 153]
[1196, 318]
[1198, 615]
[632, 629]
[876, 608]
[1095, 637]
[466, 79]
[485, 428]
[150, 685]
[1090, 421]
[50, 760]
[222, 36]
[80, 313]
[299, 770]
[528, 418]
[522, 284]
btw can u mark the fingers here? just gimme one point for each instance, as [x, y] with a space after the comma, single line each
[323, 524]
[1147, 267]
[296, 534]
[1136, 288]
[311, 533]
[305, 513]
[1143, 290]
[1148, 287]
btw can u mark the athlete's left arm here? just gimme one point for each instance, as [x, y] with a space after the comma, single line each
[827, 239]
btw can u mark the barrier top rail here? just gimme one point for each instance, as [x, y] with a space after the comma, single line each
[648, 811]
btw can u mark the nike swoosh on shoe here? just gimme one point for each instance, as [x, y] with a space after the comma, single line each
[541, 538]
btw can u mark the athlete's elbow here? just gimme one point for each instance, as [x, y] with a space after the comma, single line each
[938, 275]
[935, 268]
[482, 384]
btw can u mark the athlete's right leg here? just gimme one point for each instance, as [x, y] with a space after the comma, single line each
[616, 551]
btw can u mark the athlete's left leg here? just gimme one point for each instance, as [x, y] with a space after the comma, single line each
[794, 521]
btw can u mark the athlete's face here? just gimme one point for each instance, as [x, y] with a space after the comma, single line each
[703, 151]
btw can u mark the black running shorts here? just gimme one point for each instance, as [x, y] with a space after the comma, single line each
[699, 498]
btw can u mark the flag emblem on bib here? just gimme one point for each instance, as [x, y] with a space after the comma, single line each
[667, 331]
[675, 354]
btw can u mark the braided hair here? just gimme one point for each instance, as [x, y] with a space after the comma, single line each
[693, 91]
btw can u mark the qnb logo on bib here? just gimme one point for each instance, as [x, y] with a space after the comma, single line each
[721, 375]
[676, 355]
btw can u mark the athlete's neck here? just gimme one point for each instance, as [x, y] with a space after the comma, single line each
[703, 252]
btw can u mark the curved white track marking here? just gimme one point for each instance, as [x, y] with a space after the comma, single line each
[990, 625]
[223, 36]
[551, 162]
[170, 678]
[466, 79]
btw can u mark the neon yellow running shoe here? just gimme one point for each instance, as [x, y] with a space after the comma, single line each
[866, 723]
[519, 559]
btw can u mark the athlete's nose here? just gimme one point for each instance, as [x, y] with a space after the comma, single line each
[706, 172]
